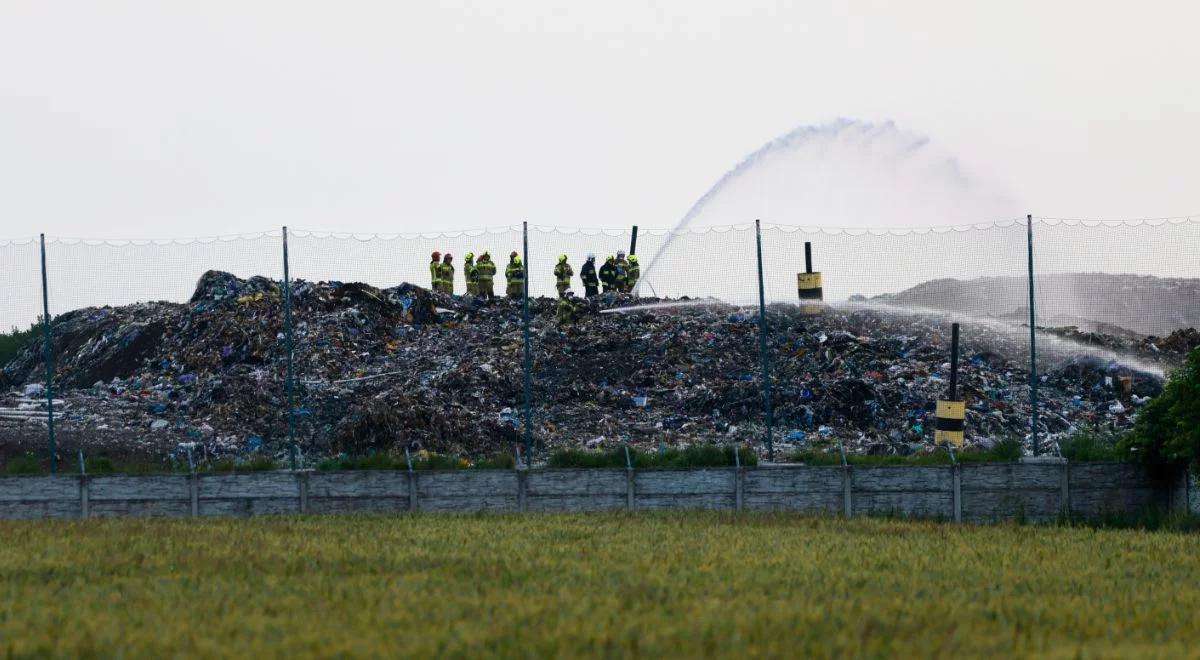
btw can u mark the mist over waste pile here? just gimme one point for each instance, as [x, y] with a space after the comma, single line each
[382, 369]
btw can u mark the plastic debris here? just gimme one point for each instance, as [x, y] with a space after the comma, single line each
[379, 369]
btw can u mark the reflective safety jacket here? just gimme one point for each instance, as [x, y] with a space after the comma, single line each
[588, 273]
[485, 271]
[566, 310]
[435, 274]
[515, 272]
[608, 273]
[620, 273]
[563, 272]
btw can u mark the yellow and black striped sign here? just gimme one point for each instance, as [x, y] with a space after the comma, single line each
[808, 285]
[950, 422]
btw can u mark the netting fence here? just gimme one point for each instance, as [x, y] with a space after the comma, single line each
[156, 345]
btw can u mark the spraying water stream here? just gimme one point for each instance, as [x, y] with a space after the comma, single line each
[844, 174]
[1052, 345]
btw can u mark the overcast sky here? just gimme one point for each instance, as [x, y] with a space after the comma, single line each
[148, 119]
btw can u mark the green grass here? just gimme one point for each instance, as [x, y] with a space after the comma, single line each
[29, 463]
[614, 585]
[692, 456]
[1004, 451]
[1092, 445]
[420, 461]
[104, 465]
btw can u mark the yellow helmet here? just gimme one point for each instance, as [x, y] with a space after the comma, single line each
[632, 258]
[610, 257]
[562, 258]
[469, 256]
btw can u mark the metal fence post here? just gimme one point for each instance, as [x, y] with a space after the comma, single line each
[762, 346]
[48, 358]
[290, 347]
[1033, 375]
[528, 351]
[630, 504]
[633, 242]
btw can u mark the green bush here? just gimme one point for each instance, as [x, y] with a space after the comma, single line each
[103, 465]
[1168, 429]
[256, 464]
[582, 458]
[27, 464]
[380, 461]
[420, 461]
[1004, 451]
[1091, 445]
[501, 460]
[693, 456]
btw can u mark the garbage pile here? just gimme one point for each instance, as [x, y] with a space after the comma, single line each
[380, 369]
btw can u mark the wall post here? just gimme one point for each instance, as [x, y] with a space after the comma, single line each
[1066, 488]
[302, 488]
[847, 495]
[739, 479]
[522, 490]
[956, 472]
[194, 491]
[84, 497]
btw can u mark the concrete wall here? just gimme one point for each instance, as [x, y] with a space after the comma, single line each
[973, 493]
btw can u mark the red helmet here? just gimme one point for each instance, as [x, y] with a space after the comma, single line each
[513, 255]
[437, 255]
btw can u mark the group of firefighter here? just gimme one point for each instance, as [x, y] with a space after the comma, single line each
[617, 274]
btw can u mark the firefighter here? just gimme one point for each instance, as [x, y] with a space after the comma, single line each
[591, 284]
[608, 273]
[471, 274]
[435, 272]
[562, 275]
[448, 274]
[621, 272]
[485, 272]
[567, 309]
[633, 274]
[515, 274]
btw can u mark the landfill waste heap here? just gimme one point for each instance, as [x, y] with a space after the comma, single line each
[384, 369]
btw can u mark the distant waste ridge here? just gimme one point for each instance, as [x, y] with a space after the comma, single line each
[1095, 302]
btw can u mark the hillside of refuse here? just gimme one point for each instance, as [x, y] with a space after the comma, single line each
[1096, 302]
[381, 369]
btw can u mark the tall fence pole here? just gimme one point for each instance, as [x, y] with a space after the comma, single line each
[528, 350]
[633, 242]
[290, 347]
[1033, 374]
[48, 358]
[762, 346]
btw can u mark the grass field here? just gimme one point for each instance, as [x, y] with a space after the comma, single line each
[680, 584]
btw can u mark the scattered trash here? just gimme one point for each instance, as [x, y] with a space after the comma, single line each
[382, 369]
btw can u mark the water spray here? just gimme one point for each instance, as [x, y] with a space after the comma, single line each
[1053, 343]
[708, 302]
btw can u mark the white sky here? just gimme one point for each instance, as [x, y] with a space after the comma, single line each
[136, 119]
